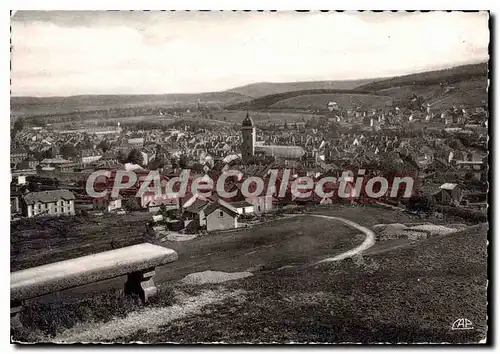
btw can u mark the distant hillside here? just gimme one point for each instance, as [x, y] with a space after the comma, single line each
[270, 100]
[463, 85]
[468, 93]
[445, 77]
[271, 88]
[53, 105]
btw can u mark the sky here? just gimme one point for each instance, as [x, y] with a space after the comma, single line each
[58, 53]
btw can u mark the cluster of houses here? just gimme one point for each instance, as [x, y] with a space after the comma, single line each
[38, 158]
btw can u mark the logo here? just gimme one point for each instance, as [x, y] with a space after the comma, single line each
[462, 324]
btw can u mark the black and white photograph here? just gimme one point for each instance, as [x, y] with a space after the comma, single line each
[249, 177]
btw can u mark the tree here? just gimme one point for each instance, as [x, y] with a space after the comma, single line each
[421, 204]
[131, 204]
[104, 145]
[48, 154]
[68, 151]
[19, 125]
[183, 161]
[37, 122]
[174, 161]
[469, 176]
[122, 157]
[135, 157]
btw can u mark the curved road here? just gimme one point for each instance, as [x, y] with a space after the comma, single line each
[284, 243]
[367, 243]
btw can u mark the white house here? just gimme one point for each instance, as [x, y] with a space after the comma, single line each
[56, 202]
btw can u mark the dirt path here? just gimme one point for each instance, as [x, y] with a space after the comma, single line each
[367, 243]
[149, 319]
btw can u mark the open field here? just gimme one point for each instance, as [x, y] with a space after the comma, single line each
[219, 117]
[39, 241]
[412, 294]
[295, 240]
[320, 101]
[468, 93]
[259, 117]
[27, 106]
[266, 102]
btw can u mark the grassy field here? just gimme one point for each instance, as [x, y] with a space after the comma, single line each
[39, 241]
[260, 117]
[59, 105]
[468, 93]
[412, 294]
[298, 240]
[344, 100]
[223, 117]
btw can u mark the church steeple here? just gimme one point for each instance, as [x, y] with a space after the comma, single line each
[249, 138]
[247, 122]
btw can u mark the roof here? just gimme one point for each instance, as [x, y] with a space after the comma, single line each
[247, 122]
[284, 151]
[55, 161]
[430, 190]
[48, 196]
[216, 206]
[448, 186]
[197, 206]
[241, 204]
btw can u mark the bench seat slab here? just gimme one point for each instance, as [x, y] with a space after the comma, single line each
[54, 277]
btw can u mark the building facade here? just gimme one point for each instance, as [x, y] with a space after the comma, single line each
[54, 202]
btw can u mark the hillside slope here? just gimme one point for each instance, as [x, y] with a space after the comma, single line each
[319, 101]
[447, 76]
[52, 105]
[473, 92]
[464, 85]
[271, 88]
[270, 100]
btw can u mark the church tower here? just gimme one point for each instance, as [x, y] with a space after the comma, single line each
[249, 138]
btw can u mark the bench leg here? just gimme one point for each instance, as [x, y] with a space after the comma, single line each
[142, 284]
[15, 309]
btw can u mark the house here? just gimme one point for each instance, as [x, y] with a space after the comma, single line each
[451, 193]
[263, 203]
[52, 202]
[194, 209]
[107, 203]
[88, 157]
[220, 217]
[431, 191]
[243, 207]
[153, 202]
[17, 156]
[136, 142]
[15, 202]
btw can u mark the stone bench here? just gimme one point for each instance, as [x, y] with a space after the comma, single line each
[137, 262]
